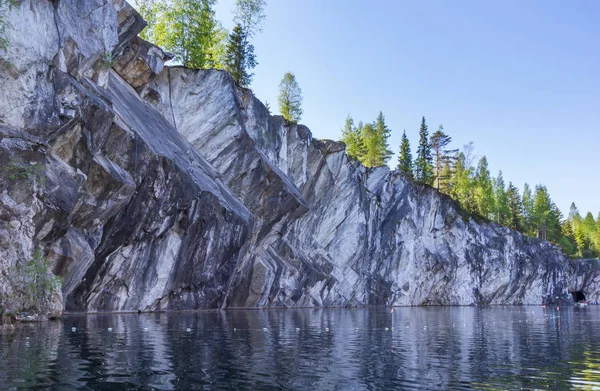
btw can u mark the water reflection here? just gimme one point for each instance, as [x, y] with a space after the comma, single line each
[333, 349]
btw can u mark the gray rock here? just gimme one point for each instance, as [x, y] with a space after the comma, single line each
[170, 188]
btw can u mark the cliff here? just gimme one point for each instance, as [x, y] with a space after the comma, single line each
[157, 188]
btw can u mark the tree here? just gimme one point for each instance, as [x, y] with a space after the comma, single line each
[381, 146]
[371, 157]
[546, 216]
[501, 202]
[423, 167]
[290, 98]
[239, 57]
[484, 191]
[351, 136]
[187, 28]
[516, 207]
[463, 185]
[405, 163]
[443, 158]
[574, 216]
[528, 225]
[250, 15]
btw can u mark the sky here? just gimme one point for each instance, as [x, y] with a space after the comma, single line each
[521, 79]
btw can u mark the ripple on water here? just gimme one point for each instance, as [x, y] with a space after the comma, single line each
[345, 349]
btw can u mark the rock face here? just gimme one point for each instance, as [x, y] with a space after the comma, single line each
[159, 187]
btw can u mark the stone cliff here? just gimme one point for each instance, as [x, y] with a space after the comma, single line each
[157, 188]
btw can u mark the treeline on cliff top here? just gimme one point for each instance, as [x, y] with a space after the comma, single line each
[453, 172]
[189, 30]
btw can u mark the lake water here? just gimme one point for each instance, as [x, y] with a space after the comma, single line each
[309, 349]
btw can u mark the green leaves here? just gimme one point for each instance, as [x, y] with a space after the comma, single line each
[368, 143]
[239, 58]
[423, 167]
[290, 98]
[187, 28]
[405, 163]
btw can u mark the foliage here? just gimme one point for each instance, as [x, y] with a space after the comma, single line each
[367, 143]
[515, 206]
[423, 168]
[250, 15]
[484, 192]
[290, 98]
[405, 163]
[351, 136]
[187, 28]
[479, 195]
[443, 159]
[37, 282]
[17, 169]
[502, 211]
[239, 57]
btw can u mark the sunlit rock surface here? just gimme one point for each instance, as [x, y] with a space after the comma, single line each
[170, 188]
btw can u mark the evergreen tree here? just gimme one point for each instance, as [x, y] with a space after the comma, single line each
[484, 192]
[516, 207]
[574, 216]
[463, 185]
[372, 141]
[240, 57]
[351, 136]
[502, 213]
[383, 134]
[567, 241]
[405, 163]
[528, 224]
[546, 216]
[443, 158]
[597, 237]
[290, 98]
[423, 168]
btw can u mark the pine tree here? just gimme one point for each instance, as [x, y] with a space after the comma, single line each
[501, 203]
[352, 138]
[443, 158]
[528, 224]
[484, 192]
[371, 141]
[567, 241]
[597, 237]
[463, 185]
[240, 57]
[405, 163]
[423, 168]
[383, 134]
[574, 216]
[546, 216]
[290, 98]
[516, 207]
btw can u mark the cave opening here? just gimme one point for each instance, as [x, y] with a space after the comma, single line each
[578, 296]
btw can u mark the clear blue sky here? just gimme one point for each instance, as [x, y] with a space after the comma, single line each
[519, 78]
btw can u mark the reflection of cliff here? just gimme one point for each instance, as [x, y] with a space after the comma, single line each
[428, 348]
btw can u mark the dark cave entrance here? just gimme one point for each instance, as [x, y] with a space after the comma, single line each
[578, 296]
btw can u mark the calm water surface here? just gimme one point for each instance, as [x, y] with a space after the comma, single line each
[308, 349]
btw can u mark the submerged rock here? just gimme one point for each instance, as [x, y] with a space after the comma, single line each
[169, 188]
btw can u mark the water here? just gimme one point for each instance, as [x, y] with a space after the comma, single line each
[422, 348]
